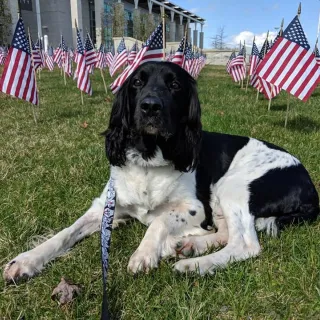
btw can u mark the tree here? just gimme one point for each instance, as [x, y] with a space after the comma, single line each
[218, 41]
[5, 22]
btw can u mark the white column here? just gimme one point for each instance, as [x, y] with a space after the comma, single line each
[76, 14]
[201, 37]
[98, 8]
[195, 35]
[38, 13]
[172, 28]
[136, 3]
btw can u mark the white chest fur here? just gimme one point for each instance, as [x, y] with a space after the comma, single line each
[148, 184]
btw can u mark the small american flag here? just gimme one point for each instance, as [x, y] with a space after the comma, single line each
[232, 56]
[109, 57]
[237, 66]
[66, 60]
[90, 52]
[178, 57]
[82, 71]
[57, 56]
[101, 58]
[290, 64]
[39, 47]
[269, 90]
[49, 59]
[18, 76]
[120, 58]
[151, 51]
[3, 55]
[254, 58]
[133, 53]
[37, 60]
[188, 57]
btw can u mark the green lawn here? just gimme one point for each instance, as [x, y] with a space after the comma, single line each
[50, 172]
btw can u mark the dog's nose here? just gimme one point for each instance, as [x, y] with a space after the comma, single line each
[151, 105]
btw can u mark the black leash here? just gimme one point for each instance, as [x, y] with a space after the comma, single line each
[106, 229]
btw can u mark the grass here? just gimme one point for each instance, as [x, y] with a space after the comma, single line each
[50, 173]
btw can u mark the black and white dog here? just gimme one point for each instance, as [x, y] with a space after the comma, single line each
[193, 189]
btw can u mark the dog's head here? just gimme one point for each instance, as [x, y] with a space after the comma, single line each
[157, 106]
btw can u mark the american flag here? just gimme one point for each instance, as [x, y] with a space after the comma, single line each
[255, 81]
[3, 55]
[39, 47]
[66, 60]
[317, 54]
[109, 57]
[101, 58]
[254, 58]
[120, 58]
[151, 51]
[178, 57]
[18, 76]
[57, 56]
[237, 66]
[90, 52]
[49, 59]
[83, 82]
[290, 64]
[170, 55]
[188, 57]
[232, 56]
[269, 90]
[133, 53]
[37, 60]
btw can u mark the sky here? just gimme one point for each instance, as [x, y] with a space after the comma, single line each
[245, 18]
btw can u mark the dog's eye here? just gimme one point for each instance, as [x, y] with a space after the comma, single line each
[137, 83]
[175, 85]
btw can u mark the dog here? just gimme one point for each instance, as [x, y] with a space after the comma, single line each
[193, 189]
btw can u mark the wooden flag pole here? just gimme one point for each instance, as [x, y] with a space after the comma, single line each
[35, 79]
[265, 49]
[288, 97]
[102, 76]
[62, 66]
[245, 64]
[184, 44]
[287, 113]
[163, 33]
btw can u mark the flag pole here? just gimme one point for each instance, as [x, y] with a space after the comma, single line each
[102, 76]
[163, 32]
[238, 53]
[265, 49]
[184, 44]
[272, 86]
[254, 37]
[81, 94]
[35, 77]
[245, 64]
[63, 67]
[288, 96]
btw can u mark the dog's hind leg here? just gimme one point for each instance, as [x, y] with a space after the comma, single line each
[31, 262]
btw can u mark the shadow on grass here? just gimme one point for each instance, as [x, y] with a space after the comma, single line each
[278, 107]
[300, 124]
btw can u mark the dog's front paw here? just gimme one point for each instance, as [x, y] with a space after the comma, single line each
[143, 260]
[197, 265]
[25, 265]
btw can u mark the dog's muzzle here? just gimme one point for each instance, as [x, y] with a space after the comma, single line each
[151, 110]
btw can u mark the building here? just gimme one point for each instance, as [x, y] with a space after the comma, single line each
[50, 19]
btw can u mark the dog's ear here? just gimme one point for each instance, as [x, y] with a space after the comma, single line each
[189, 138]
[118, 131]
